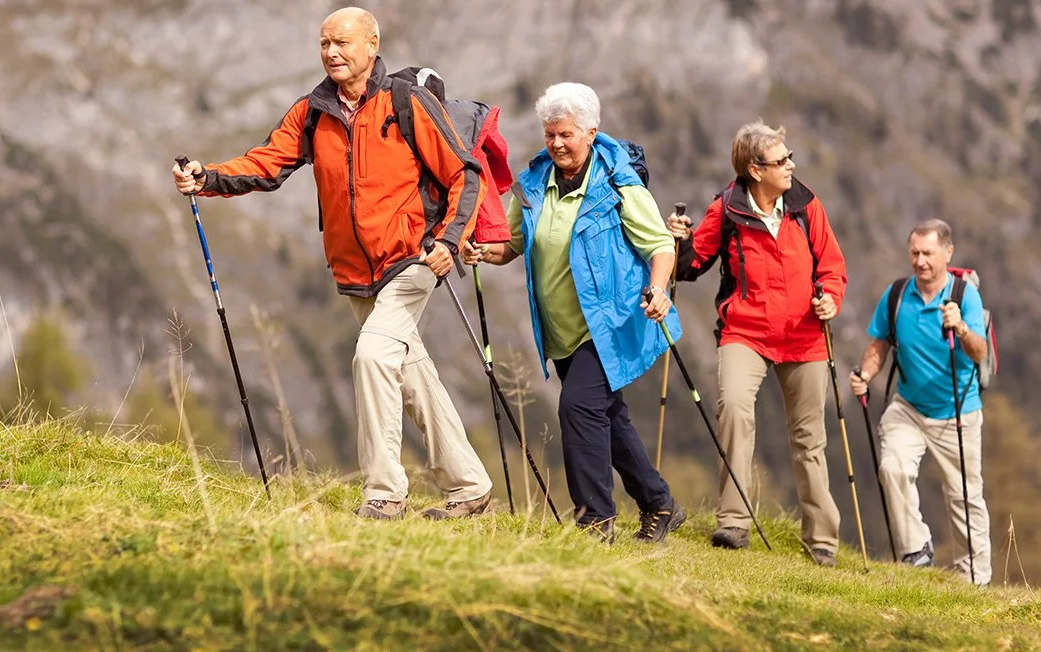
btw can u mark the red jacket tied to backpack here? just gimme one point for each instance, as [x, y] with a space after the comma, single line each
[767, 284]
[368, 179]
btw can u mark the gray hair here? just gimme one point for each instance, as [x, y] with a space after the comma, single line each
[569, 100]
[937, 226]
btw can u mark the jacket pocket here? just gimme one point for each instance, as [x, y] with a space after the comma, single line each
[598, 238]
[362, 142]
[408, 237]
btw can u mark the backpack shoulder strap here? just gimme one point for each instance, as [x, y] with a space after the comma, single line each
[896, 295]
[958, 290]
[804, 221]
[307, 140]
[401, 100]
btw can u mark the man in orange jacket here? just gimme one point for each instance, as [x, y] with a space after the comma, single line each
[375, 235]
[775, 241]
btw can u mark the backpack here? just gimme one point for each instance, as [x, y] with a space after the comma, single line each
[637, 159]
[477, 125]
[986, 370]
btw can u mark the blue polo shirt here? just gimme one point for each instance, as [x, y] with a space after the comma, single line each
[923, 353]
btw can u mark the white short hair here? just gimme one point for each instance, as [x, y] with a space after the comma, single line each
[569, 100]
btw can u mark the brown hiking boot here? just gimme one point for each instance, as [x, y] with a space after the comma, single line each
[382, 510]
[602, 531]
[731, 538]
[458, 509]
[654, 526]
[823, 557]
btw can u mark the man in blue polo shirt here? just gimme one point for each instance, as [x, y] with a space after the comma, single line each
[921, 416]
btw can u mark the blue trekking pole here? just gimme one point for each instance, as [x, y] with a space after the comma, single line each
[949, 333]
[183, 162]
[647, 295]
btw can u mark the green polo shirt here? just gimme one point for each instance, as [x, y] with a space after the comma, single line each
[563, 325]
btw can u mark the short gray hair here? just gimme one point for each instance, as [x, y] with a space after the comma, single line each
[937, 226]
[569, 100]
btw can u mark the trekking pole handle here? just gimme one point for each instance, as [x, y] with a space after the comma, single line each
[681, 208]
[182, 160]
[866, 396]
[818, 289]
[949, 332]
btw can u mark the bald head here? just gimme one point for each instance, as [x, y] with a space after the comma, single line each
[355, 17]
[350, 40]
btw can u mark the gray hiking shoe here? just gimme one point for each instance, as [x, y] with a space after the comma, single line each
[654, 526]
[382, 510]
[731, 538]
[823, 557]
[459, 509]
[921, 559]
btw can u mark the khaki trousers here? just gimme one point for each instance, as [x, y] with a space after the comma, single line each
[804, 385]
[905, 435]
[393, 370]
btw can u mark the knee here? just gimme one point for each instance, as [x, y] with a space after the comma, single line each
[375, 352]
[735, 404]
[571, 404]
[891, 470]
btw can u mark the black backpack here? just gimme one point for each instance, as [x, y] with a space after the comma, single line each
[637, 159]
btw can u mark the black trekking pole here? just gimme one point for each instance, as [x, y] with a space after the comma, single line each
[949, 333]
[183, 161]
[491, 387]
[708, 424]
[874, 459]
[681, 208]
[496, 388]
[819, 292]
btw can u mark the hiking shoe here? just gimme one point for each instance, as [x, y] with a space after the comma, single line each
[602, 531]
[921, 559]
[655, 525]
[823, 557]
[731, 538]
[382, 510]
[459, 509]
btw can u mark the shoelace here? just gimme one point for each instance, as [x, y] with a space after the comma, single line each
[649, 522]
[451, 505]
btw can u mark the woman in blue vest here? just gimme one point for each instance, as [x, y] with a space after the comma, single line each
[592, 238]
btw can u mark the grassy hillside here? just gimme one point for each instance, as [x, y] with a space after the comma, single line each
[110, 545]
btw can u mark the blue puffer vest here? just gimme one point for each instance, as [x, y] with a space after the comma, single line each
[607, 270]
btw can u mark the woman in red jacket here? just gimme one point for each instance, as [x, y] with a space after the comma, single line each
[775, 241]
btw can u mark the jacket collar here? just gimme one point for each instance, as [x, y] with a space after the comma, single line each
[324, 95]
[796, 198]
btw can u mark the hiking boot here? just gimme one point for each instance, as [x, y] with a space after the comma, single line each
[382, 510]
[921, 559]
[823, 557]
[459, 509]
[731, 538]
[655, 525]
[602, 531]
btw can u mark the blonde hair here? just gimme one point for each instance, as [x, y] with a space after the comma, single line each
[750, 145]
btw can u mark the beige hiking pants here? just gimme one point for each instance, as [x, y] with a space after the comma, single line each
[905, 434]
[393, 370]
[804, 385]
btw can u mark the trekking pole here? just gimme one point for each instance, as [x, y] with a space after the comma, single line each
[496, 388]
[874, 459]
[708, 424]
[681, 208]
[961, 447]
[495, 402]
[819, 291]
[183, 162]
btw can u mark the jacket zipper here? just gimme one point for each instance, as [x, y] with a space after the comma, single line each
[350, 185]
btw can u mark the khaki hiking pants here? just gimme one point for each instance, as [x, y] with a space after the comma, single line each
[905, 434]
[393, 370]
[804, 385]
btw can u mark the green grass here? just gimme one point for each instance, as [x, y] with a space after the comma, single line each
[105, 545]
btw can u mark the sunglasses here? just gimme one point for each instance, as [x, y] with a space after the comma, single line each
[779, 163]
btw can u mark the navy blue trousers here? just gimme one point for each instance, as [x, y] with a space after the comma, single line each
[597, 435]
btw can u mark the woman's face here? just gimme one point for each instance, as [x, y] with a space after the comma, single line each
[774, 172]
[567, 144]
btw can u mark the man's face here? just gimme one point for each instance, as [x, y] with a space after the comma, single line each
[775, 169]
[347, 50]
[929, 258]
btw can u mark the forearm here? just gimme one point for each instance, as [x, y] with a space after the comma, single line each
[873, 359]
[499, 254]
[661, 268]
[974, 346]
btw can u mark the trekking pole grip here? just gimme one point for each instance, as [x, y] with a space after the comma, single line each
[948, 333]
[818, 289]
[182, 160]
[866, 396]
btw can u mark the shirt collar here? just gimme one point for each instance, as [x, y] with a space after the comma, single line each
[778, 210]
